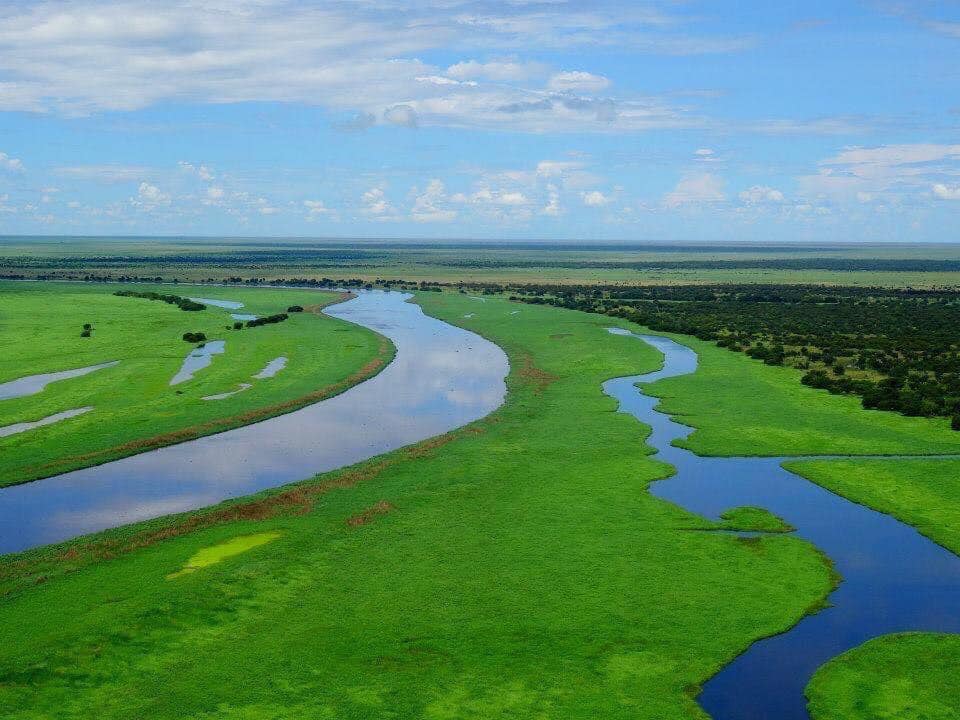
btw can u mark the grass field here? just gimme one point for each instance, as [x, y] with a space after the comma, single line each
[908, 677]
[739, 406]
[135, 408]
[513, 569]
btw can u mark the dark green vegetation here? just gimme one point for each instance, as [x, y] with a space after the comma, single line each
[181, 302]
[907, 677]
[513, 263]
[515, 568]
[898, 350]
[267, 320]
[135, 408]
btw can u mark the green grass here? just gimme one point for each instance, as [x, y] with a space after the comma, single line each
[754, 519]
[924, 493]
[135, 408]
[912, 676]
[514, 569]
[739, 406]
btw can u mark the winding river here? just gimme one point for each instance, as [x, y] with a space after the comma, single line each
[442, 377]
[894, 578]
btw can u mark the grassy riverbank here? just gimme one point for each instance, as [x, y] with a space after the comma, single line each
[516, 568]
[739, 406]
[134, 406]
[912, 676]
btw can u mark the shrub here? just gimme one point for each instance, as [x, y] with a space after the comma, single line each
[295, 308]
[195, 337]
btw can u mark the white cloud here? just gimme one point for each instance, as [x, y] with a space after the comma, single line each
[761, 194]
[10, 163]
[946, 192]
[107, 174]
[695, 190]
[428, 206]
[317, 208]
[357, 58]
[375, 203]
[498, 71]
[575, 81]
[595, 198]
[405, 115]
[267, 210]
[703, 152]
[552, 208]
[201, 171]
[149, 197]
[556, 168]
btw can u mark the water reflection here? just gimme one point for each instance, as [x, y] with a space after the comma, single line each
[198, 359]
[894, 579]
[442, 377]
[33, 384]
[17, 428]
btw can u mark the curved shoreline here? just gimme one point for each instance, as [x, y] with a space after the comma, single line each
[894, 578]
[396, 407]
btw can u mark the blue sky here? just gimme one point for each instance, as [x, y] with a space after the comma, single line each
[791, 121]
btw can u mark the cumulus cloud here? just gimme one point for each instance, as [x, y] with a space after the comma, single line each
[578, 81]
[317, 208]
[696, 189]
[429, 206]
[201, 171]
[149, 197]
[761, 194]
[87, 56]
[552, 208]
[594, 198]
[375, 202]
[946, 192]
[404, 115]
[11, 164]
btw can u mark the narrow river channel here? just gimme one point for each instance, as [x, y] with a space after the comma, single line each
[443, 377]
[894, 578]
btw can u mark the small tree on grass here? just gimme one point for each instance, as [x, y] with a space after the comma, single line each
[295, 308]
[194, 337]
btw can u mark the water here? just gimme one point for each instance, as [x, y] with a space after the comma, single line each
[222, 396]
[243, 317]
[33, 384]
[272, 368]
[443, 377]
[894, 579]
[198, 359]
[226, 304]
[17, 428]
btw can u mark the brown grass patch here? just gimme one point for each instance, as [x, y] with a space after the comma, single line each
[371, 513]
[533, 375]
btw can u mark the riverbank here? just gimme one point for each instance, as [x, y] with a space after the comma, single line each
[516, 567]
[134, 406]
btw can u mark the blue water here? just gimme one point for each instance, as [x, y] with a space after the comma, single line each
[442, 377]
[894, 578]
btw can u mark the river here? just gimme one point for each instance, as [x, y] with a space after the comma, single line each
[442, 377]
[894, 578]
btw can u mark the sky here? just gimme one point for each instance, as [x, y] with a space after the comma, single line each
[681, 120]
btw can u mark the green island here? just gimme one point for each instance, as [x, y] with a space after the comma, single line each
[134, 407]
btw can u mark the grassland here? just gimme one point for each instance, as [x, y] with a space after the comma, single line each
[908, 677]
[135, 408]
[464, 262]
[739, 406]
[513, 569]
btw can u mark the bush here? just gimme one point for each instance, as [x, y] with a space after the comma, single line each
[279, 317]
[85, 332]
[955, 422]
[295, 308]
[194, 337]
